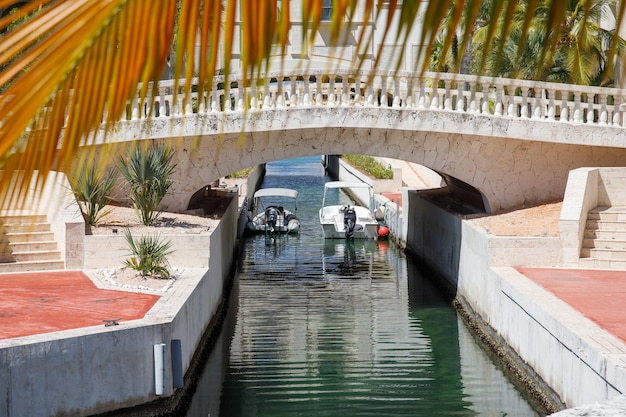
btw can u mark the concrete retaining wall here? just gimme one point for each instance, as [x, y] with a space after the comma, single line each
[92, 370]
[542, 330]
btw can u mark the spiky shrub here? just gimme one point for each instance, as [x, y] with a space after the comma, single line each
[93, 192]
[148, 172]
[148, 255]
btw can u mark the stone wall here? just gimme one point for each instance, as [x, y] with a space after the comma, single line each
[91, 370]
[540, 331]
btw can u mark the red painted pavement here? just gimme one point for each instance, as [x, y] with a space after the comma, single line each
[41, 302]
[599, 295]
[394, 197]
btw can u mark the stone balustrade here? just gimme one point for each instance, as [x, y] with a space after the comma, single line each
[498, 97]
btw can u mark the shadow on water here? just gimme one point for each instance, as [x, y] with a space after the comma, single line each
[319, 327]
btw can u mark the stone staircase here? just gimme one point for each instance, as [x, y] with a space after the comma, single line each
[604, 241]
[27, 244]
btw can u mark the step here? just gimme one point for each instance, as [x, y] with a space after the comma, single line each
[23, 219]
[27, 246]
[28, 237]
[31, 266]
[605, 225]
[607, 213]
[605, 243]
[24, 228]
[42, 255]
[601, 264]
[603, 254]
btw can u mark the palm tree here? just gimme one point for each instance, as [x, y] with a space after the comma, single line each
[66, 67]
[581, 47]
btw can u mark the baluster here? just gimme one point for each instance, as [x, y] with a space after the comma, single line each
[397, 100]
[591, 114]
[617, 114]
[551, 103]
[188, 106]
[422, 100]
[564, 114]
[267, 98]
[524, 105]
[434, 96]
[447, 101]
[150, 107]
[512, 108]
[371, 99]
[499, 95]
[254, 101]
[279, 101]
[357, 91]
[240, 96]
[383, 92]
[201, 102]
[484, 108]
[345, 96]
[306, 97]
[473, 106]
[604, 117]
[537, 108]
[331, 100]
[162, 108]
[319, 96]
[176, 107]
[460, 98]
[215, 107]
[134, 110]
[294, 97]
[577, 112]
[409, 93]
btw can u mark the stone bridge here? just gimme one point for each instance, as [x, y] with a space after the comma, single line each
[498, 143]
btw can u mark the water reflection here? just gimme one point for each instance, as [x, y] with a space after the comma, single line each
[334, 328]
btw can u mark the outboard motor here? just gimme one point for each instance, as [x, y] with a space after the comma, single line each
[271, 217]
[349, 221]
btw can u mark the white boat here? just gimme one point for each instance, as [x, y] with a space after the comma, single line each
[348, 220]
[268, 214]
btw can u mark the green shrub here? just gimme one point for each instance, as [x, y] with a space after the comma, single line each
[148, 172]
[92, 192]
[149, 255]
[369, 166]
[241, 174]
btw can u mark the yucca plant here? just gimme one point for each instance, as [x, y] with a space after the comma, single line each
[148, 172]
[93, 192]
[149, 255]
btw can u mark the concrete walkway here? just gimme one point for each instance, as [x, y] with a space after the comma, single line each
[44, 302]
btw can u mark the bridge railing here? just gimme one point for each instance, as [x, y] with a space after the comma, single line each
[498, 97]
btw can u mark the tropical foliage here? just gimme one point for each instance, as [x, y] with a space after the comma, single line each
[73, 65]
[581, 50]
[93, 192]
[148, 172]
[148, 255]
[369, 166]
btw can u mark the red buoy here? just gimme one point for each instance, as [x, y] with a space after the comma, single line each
[383, 231]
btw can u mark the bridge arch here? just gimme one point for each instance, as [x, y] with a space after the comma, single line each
[513, 151]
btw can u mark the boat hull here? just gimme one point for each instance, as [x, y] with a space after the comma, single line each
[333, 223]
[361, 231]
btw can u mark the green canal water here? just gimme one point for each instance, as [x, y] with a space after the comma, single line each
[321, 327]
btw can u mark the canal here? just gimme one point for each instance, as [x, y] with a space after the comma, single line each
[321, 327]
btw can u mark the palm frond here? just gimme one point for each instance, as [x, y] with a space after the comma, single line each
[67, 68]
